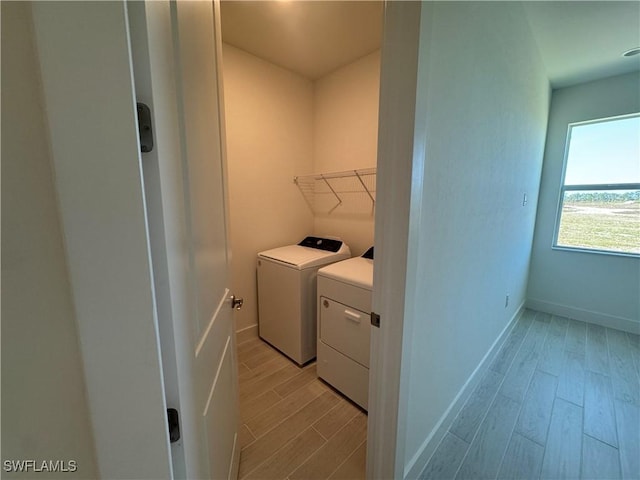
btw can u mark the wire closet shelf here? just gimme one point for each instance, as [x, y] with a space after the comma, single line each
[351, 192]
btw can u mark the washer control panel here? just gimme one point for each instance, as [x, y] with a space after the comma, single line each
[328, 244]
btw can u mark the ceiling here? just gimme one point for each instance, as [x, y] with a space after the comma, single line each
[583, 41]
[312, 38]
[579, 41]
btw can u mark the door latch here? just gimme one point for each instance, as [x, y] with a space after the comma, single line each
[174, 425]
[145, 131]
[375, 319]
[236, 303]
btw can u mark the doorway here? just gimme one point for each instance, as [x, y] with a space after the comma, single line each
[301, 88]
[63, 30]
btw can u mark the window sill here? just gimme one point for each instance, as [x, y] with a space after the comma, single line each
[598, 252]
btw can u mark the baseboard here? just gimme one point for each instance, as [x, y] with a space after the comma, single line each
[247, 333]
[429, 446]
[589, 316]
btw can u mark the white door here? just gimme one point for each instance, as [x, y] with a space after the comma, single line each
[177, 56]
[212, 347]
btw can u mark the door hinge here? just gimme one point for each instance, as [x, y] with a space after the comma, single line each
[375, 319]
[145, 132]
[174, 425]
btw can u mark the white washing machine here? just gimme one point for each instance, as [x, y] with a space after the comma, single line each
[344, 328]
[287, 293]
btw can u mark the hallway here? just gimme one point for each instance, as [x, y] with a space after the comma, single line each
[560, 400]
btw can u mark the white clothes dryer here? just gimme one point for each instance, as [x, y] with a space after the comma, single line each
[344, 327]
[287, 294]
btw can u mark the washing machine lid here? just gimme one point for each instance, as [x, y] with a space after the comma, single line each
[301, 257]
[356, 271]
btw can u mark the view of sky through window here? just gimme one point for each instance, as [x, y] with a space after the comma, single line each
[604, 152]
[600, 198]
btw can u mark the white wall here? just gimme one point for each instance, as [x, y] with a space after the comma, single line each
[486, 96]
[44, 404]
[85, 65]
[587, 286]
[269, 124]
[346, 137]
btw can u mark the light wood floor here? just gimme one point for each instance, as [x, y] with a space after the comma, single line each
[560, 401]
[293, 425]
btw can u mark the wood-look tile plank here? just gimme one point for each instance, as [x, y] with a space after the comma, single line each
[247, 335]
[511, 345]
[334, 452]
[485, 453]
[354, 467]
[261, 424]
[503, 359]
[249, 345]
[597, 355]
[245, 436]
[289, 457]
[523, 459]
[260, 450]
[628, 422]
[528, 315]
[535, 414]
[599, 460]
[261, 356]
[336, 418]
[562, 323]
[599, 413]
[571, 379]
[564, 442]
[260, 385]
[474, 410]
[446, 460]
[305, 376]
[264, 369]
[517, 379]
[576, 339]
[551, 358]
[624, 376]
[254, 348]
[252, 406]
[543, 317]
[243, 370]
[246, 342]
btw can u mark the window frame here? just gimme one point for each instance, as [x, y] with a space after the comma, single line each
[588, 187]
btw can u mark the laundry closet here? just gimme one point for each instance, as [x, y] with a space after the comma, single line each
[301, 88]
[301, 93]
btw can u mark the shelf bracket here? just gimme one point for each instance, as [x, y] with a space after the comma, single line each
[334, 192]
[373, 200]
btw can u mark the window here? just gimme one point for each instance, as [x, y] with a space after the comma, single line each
[600, 196]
